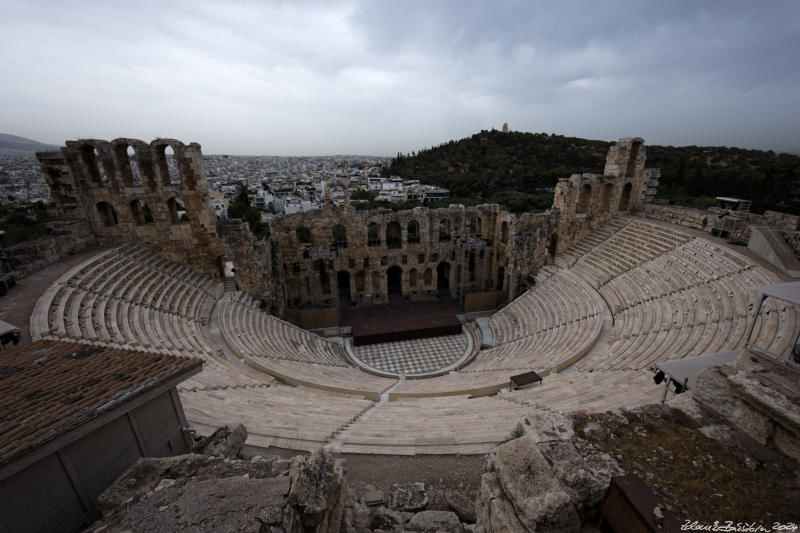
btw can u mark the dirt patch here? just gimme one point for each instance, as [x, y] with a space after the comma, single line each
[698, 477]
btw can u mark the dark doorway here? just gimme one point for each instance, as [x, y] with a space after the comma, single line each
[343, 285]
[393, 239]
[394, 281]
[552, 247]
[443, 278]
[625, 199]
[501, 276]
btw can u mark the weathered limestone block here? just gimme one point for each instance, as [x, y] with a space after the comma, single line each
[408, 496]
[435, 521]
[226, 441]
[317, 494]
[494, 511]
[545, 425]
[529, 483]
[714, 390]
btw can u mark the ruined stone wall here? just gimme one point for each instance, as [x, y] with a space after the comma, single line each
[449, 249]
[137, 197]
[65, 239]
[127, 190]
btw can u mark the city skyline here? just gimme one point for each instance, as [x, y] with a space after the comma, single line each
[375, 79]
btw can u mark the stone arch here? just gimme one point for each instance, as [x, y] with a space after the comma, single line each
[131, 157]
[630, 168]
[504, 232]
[413, 232]
[177, 210]
[360, 283]
[584, 199]
[344, 185]
[625, 197]
[108, 215]
[394, 280]
[393, 235]
[428, 277]
[169, 166]
[608, 196]
[339, 234]
[141, 212]
[373, 234]
[444, 229]
[91, 154]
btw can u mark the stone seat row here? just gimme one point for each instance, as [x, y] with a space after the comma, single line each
[589, 241]
[554, 348]
[598, 391]
[115, 274]
[69, 311]
[454, 424]
[558, 301]
[256, 333]
[278, 415]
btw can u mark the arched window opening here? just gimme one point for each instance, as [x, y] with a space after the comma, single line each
[608, 195]
[412, 277]
[303, 234]
[141, 213]
[471, 266]
[393, 239]
[94, 164]
[376, 282]
[324, 278]
[630, 169]
[584, 199]
[625, 198]
[504, 232]
[479, 226]
[360, 283]
[136, 175]
[373, 237]
[339, 236]
[108, 215]
[444, 230]
[177, 212]
[172, 166]
[428, 277]
[413, 232]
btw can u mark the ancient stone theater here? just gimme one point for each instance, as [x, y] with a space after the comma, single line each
[426, 331]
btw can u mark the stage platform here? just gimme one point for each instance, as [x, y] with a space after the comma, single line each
[402, 321]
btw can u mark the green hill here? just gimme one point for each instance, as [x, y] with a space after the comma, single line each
[515, 169]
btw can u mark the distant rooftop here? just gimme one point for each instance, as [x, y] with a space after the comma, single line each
[49, 388]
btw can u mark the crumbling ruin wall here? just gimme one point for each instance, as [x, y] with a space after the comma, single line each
[331, 254]
[128, 190]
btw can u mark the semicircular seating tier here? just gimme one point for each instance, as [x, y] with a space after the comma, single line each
[692, 298]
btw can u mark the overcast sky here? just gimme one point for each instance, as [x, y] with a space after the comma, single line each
[381, 77]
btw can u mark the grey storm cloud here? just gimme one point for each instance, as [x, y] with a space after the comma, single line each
[382, 77]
